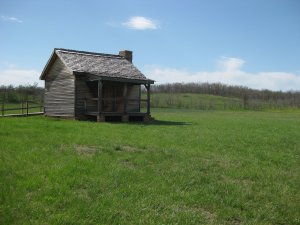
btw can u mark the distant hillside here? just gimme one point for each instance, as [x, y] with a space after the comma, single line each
[205, 96]
[194, 101]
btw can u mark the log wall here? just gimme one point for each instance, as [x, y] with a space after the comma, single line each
[134, 92]
[59, 91]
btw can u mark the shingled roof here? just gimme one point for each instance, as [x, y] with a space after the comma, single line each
[98, 64]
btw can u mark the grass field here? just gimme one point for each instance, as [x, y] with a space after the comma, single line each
[188, 167]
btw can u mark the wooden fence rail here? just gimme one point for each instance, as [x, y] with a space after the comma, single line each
[24, 110]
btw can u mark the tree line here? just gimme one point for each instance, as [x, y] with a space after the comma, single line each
[21, 93]
[250, 98]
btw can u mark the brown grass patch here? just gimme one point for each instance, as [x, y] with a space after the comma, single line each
[127, 148]
[86, 150]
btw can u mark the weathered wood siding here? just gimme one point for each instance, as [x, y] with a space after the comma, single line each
[84, 90]
[59, 91]
[134, 92]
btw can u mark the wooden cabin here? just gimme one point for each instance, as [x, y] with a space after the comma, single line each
[87, 85]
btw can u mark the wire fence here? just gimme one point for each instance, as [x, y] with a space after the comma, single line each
[25, 108]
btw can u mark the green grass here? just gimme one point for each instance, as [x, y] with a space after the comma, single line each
[188, 167]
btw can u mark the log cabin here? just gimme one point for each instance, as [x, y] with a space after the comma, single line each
[87, 85]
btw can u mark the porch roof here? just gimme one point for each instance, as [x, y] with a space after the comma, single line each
[104, 77]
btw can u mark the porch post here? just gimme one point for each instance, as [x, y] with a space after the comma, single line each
[148, 98]
[100, 84]
[125, 98]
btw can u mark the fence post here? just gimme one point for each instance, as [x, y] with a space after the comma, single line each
[22, 107]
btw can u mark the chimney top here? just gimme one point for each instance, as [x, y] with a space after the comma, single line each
[126, 54]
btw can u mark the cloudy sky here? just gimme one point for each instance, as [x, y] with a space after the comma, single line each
[252, 43]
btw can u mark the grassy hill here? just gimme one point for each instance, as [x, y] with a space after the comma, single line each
[194, 101]
[213, 102]
[188, 167]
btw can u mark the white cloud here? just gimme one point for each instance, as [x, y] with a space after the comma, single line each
[230, 73]
[11, 19]
[141, 23]
[17, 77]
[230, 64]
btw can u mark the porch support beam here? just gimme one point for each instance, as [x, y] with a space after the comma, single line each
[147, 86]
[100, 84]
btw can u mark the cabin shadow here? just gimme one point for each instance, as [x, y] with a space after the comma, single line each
[168, 123]
[159, 123]
[134, 121]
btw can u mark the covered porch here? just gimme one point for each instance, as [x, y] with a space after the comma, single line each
[118, 100]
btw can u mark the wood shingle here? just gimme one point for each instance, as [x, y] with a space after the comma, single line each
[100, 65]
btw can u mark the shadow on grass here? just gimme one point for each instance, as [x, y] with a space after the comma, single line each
[161, 123]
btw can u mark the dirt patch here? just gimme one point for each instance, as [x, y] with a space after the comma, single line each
[86, 150]
[128, 163]
[210, 217]
[127, 148]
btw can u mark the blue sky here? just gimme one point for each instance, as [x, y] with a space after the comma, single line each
[254, 43]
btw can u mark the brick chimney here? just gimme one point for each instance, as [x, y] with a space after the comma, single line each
[126, 54]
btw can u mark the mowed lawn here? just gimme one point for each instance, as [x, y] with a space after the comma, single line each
[188, 167]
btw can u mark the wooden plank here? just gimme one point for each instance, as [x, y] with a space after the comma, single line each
[133, 104]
